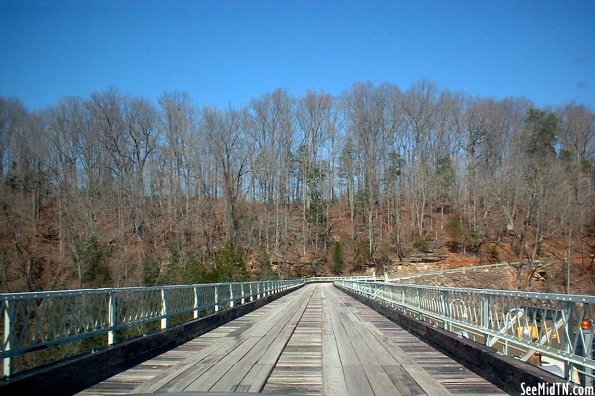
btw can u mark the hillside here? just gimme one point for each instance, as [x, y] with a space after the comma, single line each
[31, 255]
[116, 190]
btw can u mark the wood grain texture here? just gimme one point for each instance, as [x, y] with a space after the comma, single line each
[316, 340]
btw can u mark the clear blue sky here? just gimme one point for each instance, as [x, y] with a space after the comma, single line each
[227, 52]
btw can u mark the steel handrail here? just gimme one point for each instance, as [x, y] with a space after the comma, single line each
[556, 325]
[39, 320]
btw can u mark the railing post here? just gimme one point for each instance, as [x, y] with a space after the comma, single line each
[230, 295]
[418, 298]
[566, 341]
[111, 317]
[242, 301]
[258, 290]
[216, 298]
[164, 308]
[195, 302]
[446, 310]
[251, 292]
[485, 316]
[587, 328]
[8, 338]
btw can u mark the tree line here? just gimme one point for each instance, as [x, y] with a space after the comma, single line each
[118, 190]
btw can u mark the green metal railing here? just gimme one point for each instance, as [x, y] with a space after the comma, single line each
[41, 320]
[518, 324]
[323, 279]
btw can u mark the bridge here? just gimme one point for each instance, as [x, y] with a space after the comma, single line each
[329, 336]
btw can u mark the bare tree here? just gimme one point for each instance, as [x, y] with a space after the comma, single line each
[315, 117]
[225, 135]
[273, 133]
[419, 106]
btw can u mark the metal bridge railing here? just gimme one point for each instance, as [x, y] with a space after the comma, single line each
[40, 320]
[320, 279]
[558, 328]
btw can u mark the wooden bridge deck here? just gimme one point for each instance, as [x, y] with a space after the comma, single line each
[316, 340]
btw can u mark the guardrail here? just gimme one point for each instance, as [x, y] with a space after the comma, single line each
[320, 279]
[554, 331]
[484, 267]
[40, 320]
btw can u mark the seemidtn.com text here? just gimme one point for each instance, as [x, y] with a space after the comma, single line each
[545, 389]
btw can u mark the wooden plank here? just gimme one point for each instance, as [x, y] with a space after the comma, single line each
[195, 365]
[299, 368]
[332, 369]
[432, 370]
[182, 381]
[356, 380]
[168, 376]
[378, 379]
[404, 383]
[421, 377]
[214, 369]
[207, 375]
[242, 358]
[316, 340]
[256, 378]
[269, 345]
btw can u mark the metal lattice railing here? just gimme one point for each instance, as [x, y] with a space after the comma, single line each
[40, 320]
[321, 279]
[556, 327]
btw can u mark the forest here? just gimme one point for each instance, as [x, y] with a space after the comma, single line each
[118, 190]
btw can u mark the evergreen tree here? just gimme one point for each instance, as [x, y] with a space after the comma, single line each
[150, 272]
[174, 274]
[541, 128]
[229, 263]
[95, 255]
[263, 262]
[337, 259]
